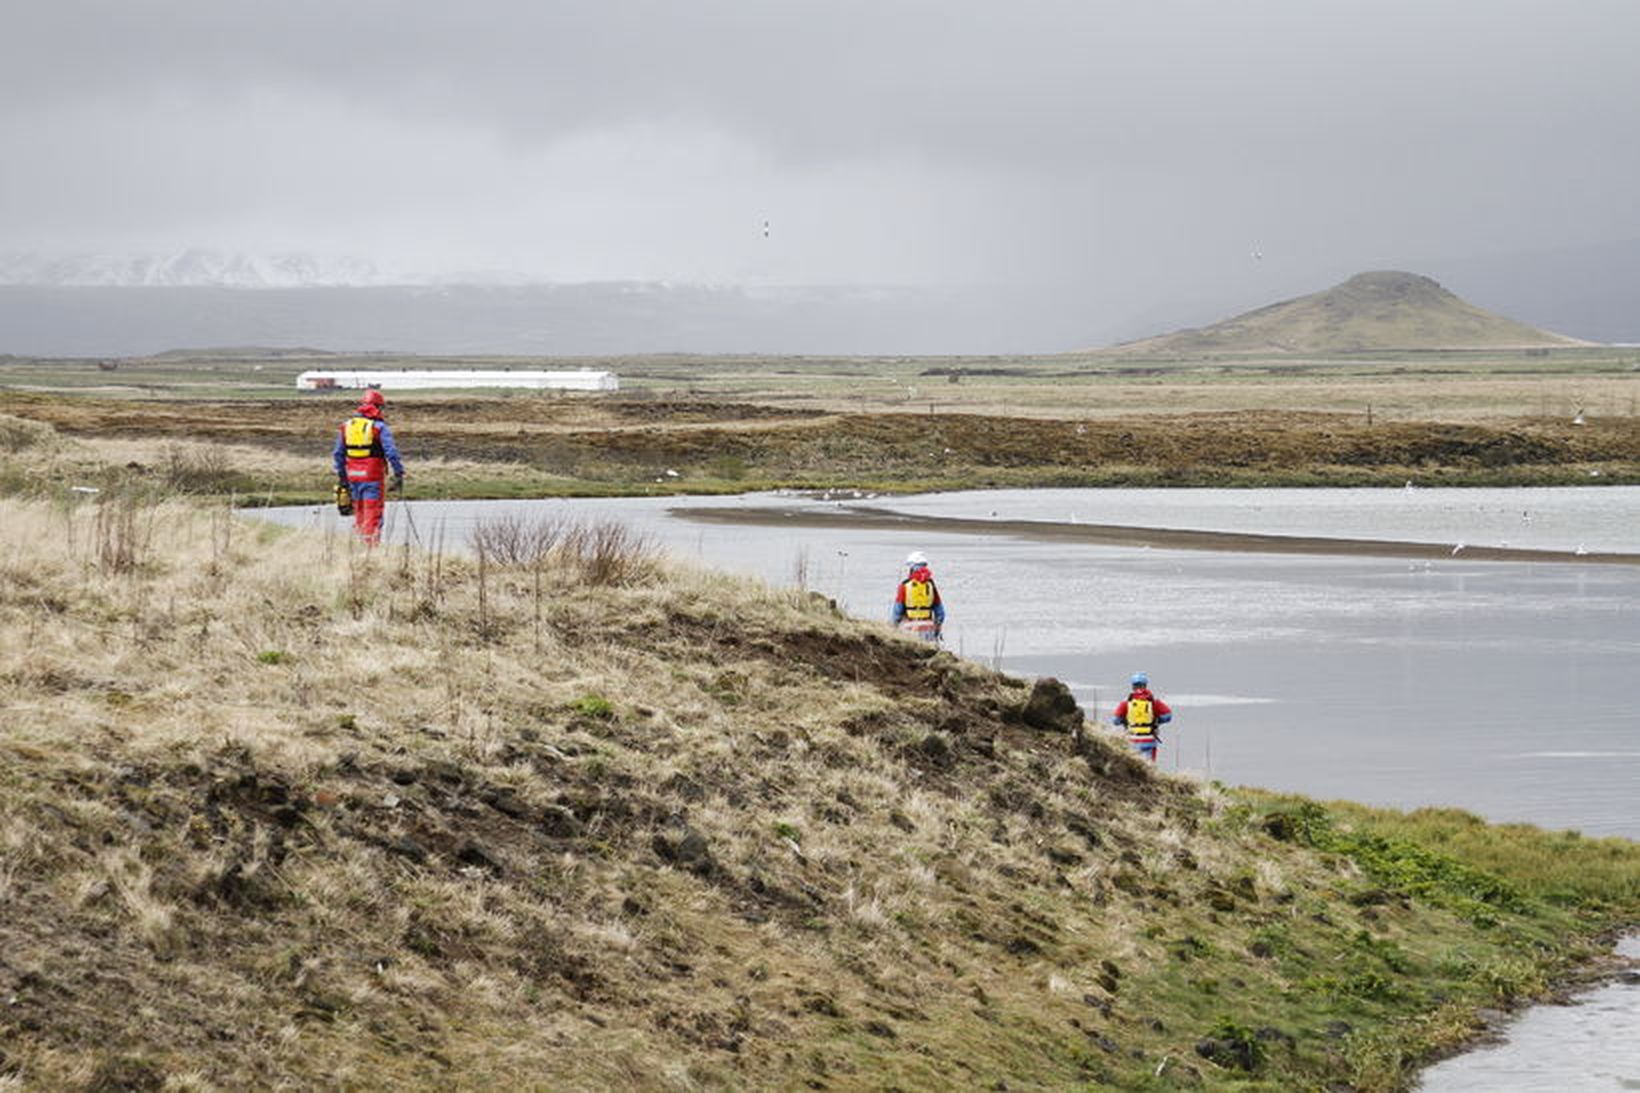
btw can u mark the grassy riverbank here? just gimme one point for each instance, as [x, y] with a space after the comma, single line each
[274, 810]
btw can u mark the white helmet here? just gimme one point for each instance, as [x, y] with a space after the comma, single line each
[915, 559]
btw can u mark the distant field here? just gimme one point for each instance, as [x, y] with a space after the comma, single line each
[1435, 386]
[234, 424]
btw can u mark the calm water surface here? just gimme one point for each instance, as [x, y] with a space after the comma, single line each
[1505, 688]
[1591, 1044]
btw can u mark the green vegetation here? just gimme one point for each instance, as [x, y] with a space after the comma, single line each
[492, 820]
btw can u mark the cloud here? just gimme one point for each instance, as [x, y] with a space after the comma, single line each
[1126, 146]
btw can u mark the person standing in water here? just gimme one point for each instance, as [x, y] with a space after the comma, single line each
[1142, 713]
[918, 608]
[363, 452]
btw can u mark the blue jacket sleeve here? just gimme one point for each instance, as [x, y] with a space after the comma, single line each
[389, 449]
[338, 457]
[897, 613]
[939, 614]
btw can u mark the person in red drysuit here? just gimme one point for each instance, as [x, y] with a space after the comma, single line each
[363, 453]
[1142, 713]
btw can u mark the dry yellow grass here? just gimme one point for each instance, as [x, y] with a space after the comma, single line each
[278, 811]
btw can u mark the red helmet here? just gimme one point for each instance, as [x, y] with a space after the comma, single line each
[373, 397]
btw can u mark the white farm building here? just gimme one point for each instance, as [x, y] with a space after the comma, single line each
[581, 379]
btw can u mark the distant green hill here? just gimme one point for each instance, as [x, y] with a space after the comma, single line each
[1381, 310]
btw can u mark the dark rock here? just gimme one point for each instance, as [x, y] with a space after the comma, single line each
[471, 853]
[1052, 707]
[685, 848]
[404, 776]
[1060, 855]
[444, 771]
[1100, 1004]
[1081, 825]
[504, 799]
[936, 749]
[126, 1073]
[881, 1028]
[407, 847]
[823, 1004]
[1237, 1054]
[1269, 1034]
[1282, 826]
[901, 821]
[560, 822]
[1023, 946]
[1337, 1030]
[685, 787]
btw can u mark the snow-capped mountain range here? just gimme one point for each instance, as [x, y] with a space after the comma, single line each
[195, 267]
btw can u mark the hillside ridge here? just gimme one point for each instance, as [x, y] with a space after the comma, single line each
[1383, 310]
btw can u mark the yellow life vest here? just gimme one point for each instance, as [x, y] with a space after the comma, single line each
[1141, 717]
[360, 439]
[919, 600]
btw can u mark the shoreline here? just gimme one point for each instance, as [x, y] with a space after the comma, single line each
[1608, 969]
[863, 517]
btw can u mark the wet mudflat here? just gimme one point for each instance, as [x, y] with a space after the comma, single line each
[1506, 688]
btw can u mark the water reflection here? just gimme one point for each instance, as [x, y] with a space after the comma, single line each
[1503, 688]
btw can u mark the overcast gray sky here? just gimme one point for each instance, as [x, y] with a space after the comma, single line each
[1132, 148]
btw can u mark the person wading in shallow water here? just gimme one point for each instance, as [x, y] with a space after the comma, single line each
[1142, 713]
[364, 450]
[918, 608]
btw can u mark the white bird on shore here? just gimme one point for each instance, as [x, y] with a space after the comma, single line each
[1457, 548]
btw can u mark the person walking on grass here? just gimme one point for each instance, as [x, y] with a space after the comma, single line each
[917, 605]
[363, 453]
[1142, 713]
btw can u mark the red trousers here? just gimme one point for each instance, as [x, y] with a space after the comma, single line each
[367, 509]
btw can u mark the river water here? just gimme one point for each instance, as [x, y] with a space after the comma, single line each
[1592, 1043]
[1505, 688]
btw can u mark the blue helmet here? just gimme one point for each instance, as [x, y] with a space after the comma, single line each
[1139, 680]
